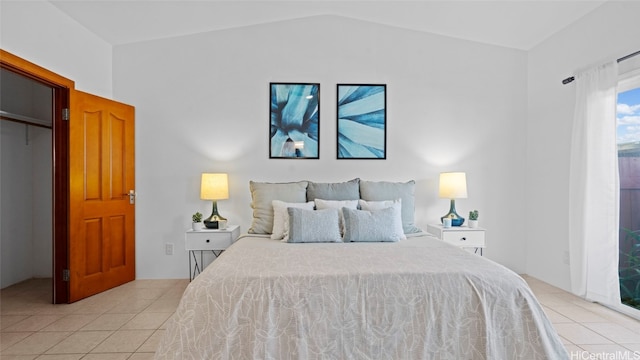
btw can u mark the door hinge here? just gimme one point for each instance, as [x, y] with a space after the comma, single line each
[65, 114]
[65, 275]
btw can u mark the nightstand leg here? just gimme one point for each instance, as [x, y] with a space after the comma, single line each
[196, 267]
[190, 269]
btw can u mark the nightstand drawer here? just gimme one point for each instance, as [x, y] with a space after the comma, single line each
[207, 241]
[464, 238]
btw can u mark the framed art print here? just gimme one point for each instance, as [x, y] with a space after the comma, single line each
[295, 121]
[362, 121]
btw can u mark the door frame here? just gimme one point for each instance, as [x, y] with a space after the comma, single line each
[60, 144]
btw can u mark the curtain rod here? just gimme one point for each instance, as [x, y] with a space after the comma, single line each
[571, 78]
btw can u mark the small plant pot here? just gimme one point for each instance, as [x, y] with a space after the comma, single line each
[473, 223]
[196, 226]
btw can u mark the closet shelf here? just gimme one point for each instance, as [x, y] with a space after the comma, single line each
[25, 119]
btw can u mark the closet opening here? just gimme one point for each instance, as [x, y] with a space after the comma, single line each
[34, 178]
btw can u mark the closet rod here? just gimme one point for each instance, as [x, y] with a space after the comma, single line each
[571, 78]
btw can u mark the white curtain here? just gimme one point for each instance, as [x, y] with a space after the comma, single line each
[594, 187]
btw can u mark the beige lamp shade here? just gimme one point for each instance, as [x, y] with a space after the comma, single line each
[453, 185]
[214, 187]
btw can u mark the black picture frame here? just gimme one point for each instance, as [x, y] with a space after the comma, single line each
[361, 121]
[294, 120]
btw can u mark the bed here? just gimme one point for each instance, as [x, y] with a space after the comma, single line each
[410, 298]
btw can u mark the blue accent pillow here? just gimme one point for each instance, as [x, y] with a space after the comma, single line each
[383, 225]
[307, 226]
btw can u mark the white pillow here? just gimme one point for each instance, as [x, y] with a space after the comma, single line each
[379, 205]
[281, 217]
[337, 204]
[308, 226]
[383, 225]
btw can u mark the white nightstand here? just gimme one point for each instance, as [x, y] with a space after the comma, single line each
[214, 240]
[461, 236]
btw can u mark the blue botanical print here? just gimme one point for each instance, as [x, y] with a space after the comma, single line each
[295, 115]
[361, 121]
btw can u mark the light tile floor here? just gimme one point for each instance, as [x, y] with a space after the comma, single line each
[588, 330]
[127, 322]
[122, 323]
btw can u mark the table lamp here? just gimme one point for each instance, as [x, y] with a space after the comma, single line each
[214, 187]
[453, 185]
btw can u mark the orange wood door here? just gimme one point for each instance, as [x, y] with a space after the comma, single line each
[101, 215]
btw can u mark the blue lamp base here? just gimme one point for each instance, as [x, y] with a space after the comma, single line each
[456, 220]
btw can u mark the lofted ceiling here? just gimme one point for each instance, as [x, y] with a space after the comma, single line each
[518, 24]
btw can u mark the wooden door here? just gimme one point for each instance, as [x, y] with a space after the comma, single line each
[101, 211]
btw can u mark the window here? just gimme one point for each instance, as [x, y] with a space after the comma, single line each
[628, 140]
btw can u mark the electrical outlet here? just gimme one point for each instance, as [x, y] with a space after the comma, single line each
[168, 248]
[565, 258]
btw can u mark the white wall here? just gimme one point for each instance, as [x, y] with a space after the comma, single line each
[26, 194]
[39, 32]
[41, 140]
[202, 100]
[16, 210]
[609, 32]
[202, 106]
[27, 181]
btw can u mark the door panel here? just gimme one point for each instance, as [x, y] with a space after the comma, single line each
[102, 223]
[92, 249]
[118, 241]
[92, 122]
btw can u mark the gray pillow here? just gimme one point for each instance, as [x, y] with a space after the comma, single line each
[383, 225]
[384, 190]
[349, 190]
[262, 196]
[306, 226]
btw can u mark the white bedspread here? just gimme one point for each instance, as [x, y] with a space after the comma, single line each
[416, 299]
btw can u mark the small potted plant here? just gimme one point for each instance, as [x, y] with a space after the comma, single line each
[196, 220]
[473, 219]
